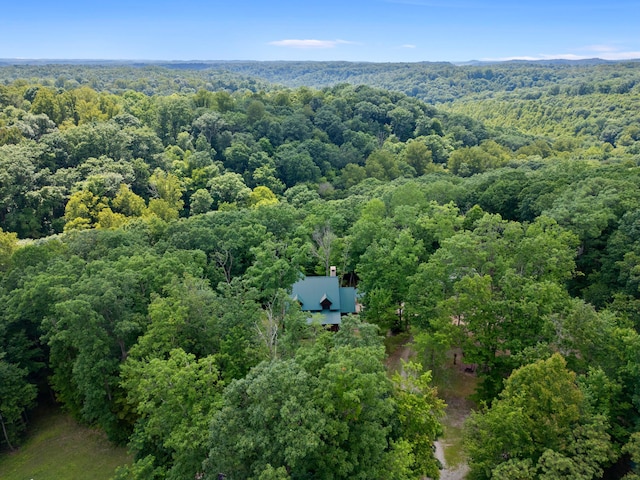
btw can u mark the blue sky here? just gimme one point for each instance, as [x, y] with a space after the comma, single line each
[354, 30]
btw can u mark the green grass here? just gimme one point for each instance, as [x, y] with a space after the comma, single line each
[393, 342]
[454, 454]
[455, 387]
[394, 346]
[454, 383]
[57, 448]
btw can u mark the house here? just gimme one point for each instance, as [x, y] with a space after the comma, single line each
[325, 296]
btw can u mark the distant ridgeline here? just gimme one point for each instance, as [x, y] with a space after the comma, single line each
[433, 82]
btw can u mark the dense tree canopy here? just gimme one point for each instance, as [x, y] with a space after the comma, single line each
[152, 223]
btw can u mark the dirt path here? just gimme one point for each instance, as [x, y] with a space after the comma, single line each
[454, 473]
[449, 446]
[454, 388]
[401, 353]
[455, 391]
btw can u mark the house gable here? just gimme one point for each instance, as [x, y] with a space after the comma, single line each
[324, 295]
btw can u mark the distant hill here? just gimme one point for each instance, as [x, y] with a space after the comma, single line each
[433, 82]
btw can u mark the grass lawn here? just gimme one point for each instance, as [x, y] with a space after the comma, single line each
[455, 386]
[57, 448]
[395, 347]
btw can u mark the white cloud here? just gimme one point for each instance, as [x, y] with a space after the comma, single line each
[309, 43]
[408, 45]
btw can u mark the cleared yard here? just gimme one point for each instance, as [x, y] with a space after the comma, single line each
[59, 448]
[455, 386]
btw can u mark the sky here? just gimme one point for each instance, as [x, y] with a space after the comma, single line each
[351, 30]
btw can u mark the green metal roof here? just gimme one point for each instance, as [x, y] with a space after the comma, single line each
[311, 292]
[347, 300]
[328, 317]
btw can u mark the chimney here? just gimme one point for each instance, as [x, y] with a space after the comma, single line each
[332, 271]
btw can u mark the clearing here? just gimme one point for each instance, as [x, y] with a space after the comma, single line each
[455, 385]
[57, 447]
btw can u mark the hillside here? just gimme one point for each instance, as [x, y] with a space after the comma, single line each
[153, 220]
[432, 82]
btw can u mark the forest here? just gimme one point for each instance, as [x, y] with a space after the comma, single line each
[153, 219]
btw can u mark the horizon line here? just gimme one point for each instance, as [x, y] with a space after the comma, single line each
[455, 62]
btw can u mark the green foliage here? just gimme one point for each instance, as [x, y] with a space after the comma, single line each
[340, 136]
[229, 188]
[382, 165]
[633, 450]
[418, 156]
[83, 209]
[94, 322]
[167, 188]
[186, 209]
[608, 363]
[175, 399]
[419, 413]
[327, 413]
[17, 396]
[8, 244]
[128, 203]
[472, 160]
[388, 267]
[261, 196]
[498, 283]
[538, 428]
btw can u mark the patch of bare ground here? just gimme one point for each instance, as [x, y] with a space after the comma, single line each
[455, 382]
[398, 349]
